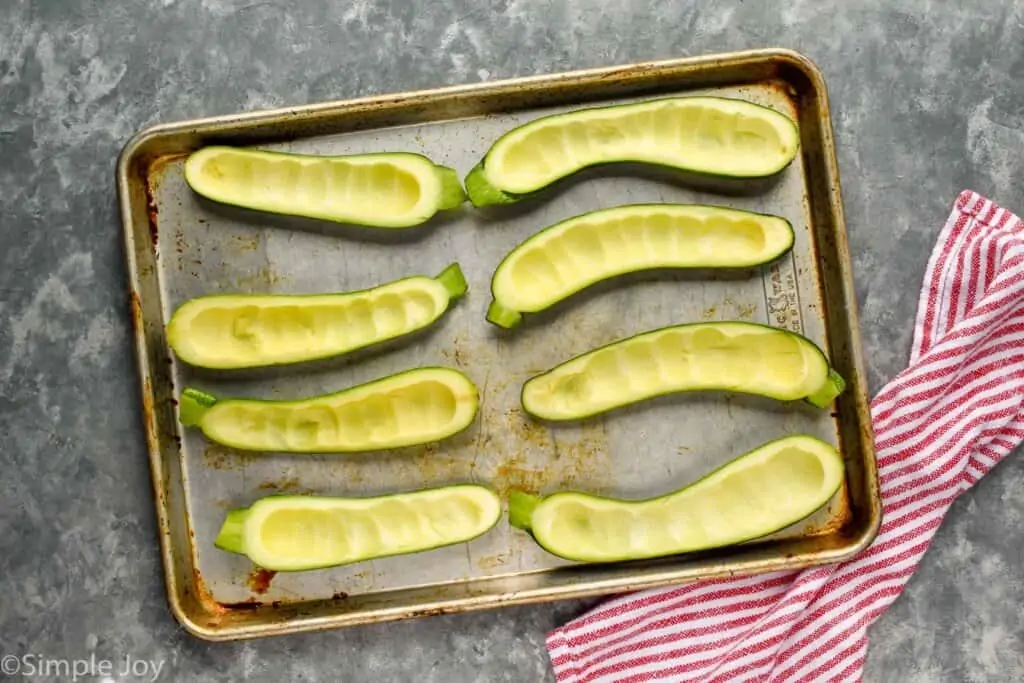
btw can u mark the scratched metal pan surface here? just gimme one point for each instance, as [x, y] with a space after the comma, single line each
[178, 246]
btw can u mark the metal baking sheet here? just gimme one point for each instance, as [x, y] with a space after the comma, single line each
[179, 246]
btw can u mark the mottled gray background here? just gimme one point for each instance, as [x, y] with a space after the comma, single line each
[928, 100]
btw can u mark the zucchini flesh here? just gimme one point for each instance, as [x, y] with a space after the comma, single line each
[708, 135]
[574, 254]
[405, 409]
[740, 357]
[235, 331]
[759, 493]
[297, 533]
[383, 190]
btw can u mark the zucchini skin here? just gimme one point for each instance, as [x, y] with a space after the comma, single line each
[451, 279]
[507, 318]
[194, 404]
[820, 399]
[450, 195]
[482, 192]
[230, 537]
[522, 506]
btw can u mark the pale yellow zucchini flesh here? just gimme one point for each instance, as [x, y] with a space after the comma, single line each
[235, 331]
[739, 357]
[758, 493]
[571, 255]
[714, 136]
[299, 533]
[409, 408]
[383, 190]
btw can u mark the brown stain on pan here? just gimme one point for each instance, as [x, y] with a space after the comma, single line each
[258, 279]
[839, 515]
[279, 485]
[526, 429]
[289, 484]
[746, 311]
[435, 467]
[151, 176]
[459, 354]
[204, 597]
[259, 580]
[218, 457]
[136, 304]
[493, 561]
[152, 211]
[219, 610]
[582, 461]
[585, 463]
[245, 242]
[789, 95]
[831, 519]
[727, 309]
[515, 471]
[512, 475]
[149, 415]
[180, 245]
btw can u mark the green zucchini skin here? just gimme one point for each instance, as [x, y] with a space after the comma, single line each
[482, 192]
[508, 317]
[833, 386]
[414, 505]
[295, 426]
[449, 191]
[452, 285]
[523, 507]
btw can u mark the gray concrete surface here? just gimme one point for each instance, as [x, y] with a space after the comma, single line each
[928, 100]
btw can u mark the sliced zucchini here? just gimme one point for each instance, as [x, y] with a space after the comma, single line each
[405, 409]
[713, 136]
[731, 356]
[569, 256]
[232, 331]
[298, 533]
[383, 190]
[759, 493]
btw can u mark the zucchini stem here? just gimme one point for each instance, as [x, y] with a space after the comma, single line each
[520, 509]
[480, 190]
[193, 405]
[503, 317]
[451, 194]
[232, 537]
[829, 391]
[454, 281]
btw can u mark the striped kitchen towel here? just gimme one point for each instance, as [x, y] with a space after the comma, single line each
[940, 425]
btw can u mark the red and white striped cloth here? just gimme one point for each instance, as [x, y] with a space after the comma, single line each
[940, 425]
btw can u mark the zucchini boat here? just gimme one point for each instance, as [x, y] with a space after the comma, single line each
[712, 136]
[298, 533]
[576, 253]
[233, 331]
[759, 493]
[740, 357]
[381, 190]
[405, 409]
